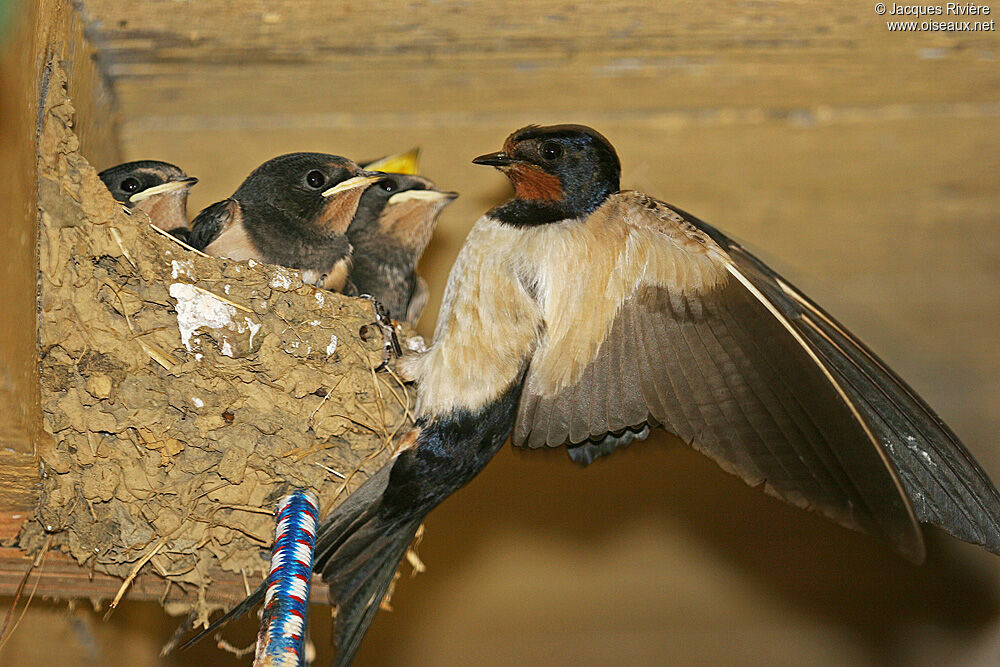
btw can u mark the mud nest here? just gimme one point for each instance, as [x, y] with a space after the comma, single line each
[184, 394]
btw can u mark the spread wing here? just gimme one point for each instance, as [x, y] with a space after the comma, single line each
[725, 369]
[946, 485]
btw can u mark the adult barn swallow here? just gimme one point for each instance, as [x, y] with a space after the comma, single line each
[293, 211]
[580, 315]
[157, 188]
[393, 225]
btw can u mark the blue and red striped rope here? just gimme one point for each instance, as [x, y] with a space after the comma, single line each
[282, 631]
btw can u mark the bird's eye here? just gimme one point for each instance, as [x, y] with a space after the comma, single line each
[551, 150]
[130, 185]
[388, 185]
[315, 179]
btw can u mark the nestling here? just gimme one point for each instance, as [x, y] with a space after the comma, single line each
[293, 210]
[394, 223]
[159, 189]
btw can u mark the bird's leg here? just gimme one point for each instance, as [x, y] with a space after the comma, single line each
[384, 323]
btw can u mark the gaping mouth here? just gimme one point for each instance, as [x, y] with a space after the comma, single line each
[399, 163]
[362, 181]
[162, 188]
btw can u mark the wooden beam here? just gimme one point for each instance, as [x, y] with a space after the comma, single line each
[40, 32]
[61, 577]
[19, 485]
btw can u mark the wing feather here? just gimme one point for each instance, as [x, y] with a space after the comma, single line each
[725, 369]
[673, 384]
[944, 482]
[212, 222]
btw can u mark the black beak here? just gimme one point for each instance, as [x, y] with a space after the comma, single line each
[190, 180]
[498, 159]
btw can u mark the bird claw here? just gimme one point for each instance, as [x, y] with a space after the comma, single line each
[384, 323]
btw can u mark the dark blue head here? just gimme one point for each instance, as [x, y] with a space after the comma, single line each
[558, 172]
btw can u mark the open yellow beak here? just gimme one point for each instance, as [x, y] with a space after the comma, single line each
[362, 181]
[407, 163]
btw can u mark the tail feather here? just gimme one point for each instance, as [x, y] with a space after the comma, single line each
[335, 528]
[239, 610]
[358, 548]
[359, 575]
[360, 544]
